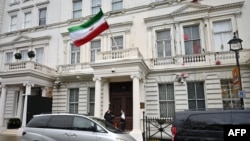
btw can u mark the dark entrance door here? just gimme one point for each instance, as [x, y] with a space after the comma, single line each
[121, 98]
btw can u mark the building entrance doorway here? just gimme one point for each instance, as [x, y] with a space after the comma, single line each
[121, 98]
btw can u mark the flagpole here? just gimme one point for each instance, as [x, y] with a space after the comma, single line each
[113, 38]
[111, 34]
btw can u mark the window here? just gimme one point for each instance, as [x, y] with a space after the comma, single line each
[95, 47]
[196, 98]
[166, 99]
[96, 5]
[39, 55]
[73, 100]
[27, 20]
[117, 4]
[163, 43]
[118, 43]
[13, 23]
[83, 124]
[230, 98]
[39, 122]
[9, 57]
[60, 122]
[24, 55]
[77, 9]
[222, 34]
[91, 101]
[192, 40]
[75, 54]
[42, 16]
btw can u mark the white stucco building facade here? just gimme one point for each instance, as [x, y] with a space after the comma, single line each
[168, 55]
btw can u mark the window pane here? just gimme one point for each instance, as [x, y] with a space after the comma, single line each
[24, 55]
[117, 4]
[166, 100]
[163, 42]
[230, 98]
[77, 9]
[42, 16]
[95, 47]
[9, 57]
[39, 55]
[196, 98]
[60, 122]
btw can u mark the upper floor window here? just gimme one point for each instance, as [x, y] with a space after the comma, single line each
[96, 5]
[73, 100]
[117, 43]
[196, 96]
[95, 47]
[166, 99]
[42, 16]
[91, 101]
[77, 9]
[163, 43]
[9, 57]
[230, 98]
[222, 34]
[39, 55]
[75, 55]
[13, 23]
[192, 40]
[24, 55]
[27, 20]
[117, 4]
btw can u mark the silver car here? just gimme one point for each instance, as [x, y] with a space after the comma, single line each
[72, 127]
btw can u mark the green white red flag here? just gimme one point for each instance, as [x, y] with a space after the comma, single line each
[87, 31]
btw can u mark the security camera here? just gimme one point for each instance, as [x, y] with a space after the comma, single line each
[112, 70]
[57, 84]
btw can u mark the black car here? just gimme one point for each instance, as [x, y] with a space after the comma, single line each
[207, 125]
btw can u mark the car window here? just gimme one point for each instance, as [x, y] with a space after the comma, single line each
[213, 121]
[38, 122]
[60, 122]
[81, 123]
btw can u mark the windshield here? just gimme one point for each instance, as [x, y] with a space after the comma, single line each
[107, 125]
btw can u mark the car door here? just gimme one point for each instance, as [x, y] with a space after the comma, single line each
[83, 129]
[58, 128]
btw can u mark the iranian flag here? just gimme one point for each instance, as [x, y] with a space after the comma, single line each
[87, 31]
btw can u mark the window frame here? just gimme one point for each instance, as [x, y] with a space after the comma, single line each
[94, 49]
[42, 19]
[164, 40]
[167, 101]
[76, 10]
[232, 21]
[195, 98]
[74, 102]
[91, 102]
[6, 57]
[113, 46]
[77, 59]
[13, 24]
[25, 22]
[227, 83]
[115, 2]
[42, 57]
[95, 7]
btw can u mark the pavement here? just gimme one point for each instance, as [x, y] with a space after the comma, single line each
[4, 137]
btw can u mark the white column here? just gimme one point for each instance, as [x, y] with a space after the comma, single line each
[106, 101]
[97, 97]
[27, 92]
[207, 34]
[44, 91]
[2, 105]
[20, 103]
[136, 132]
[177, 39]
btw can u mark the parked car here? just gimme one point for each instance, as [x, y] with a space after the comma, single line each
[206, 125]
[71, 127]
